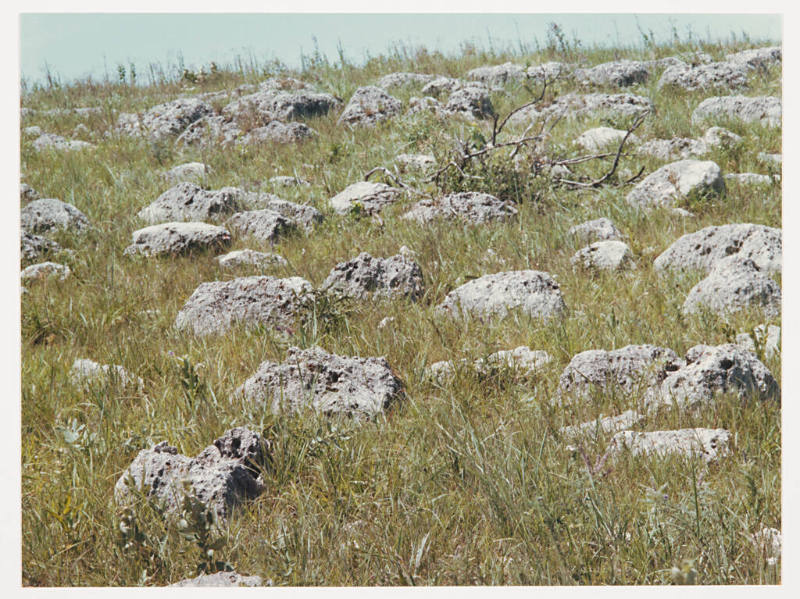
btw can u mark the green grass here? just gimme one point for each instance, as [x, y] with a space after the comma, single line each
[462, 483]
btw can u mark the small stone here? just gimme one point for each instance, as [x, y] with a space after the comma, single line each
[87, 372]
[605, 255]
[366, 276]
[45, 270]
[370, 197]
[249, 257]
[601, 229]
[749, 179]
[191, 171]
[264, 225]
[709, 444]
[734, 284]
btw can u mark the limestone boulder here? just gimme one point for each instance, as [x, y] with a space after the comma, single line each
[734, 284]
[604, 255]
[265, 225]
[190, 202]
[765, 110]
[165, 121]
[45, 270]
[49, 215]
[369, 197]
[249, 257]
[178, 238]
[676, 181]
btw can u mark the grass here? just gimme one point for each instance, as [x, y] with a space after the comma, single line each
[468, 482]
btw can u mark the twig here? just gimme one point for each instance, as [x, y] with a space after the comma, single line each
[496, 130]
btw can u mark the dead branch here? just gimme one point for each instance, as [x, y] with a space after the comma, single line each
[497, 129]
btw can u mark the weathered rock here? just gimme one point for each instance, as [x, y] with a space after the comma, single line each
[303, 215]
[603, 424]
[675, 181]
[287, 181]
[264, 225]
[770, 158]
[706, 443]
[221, 579]
[704, 249]
[534, 293]
[598, 138]
[415, 162]
[368, 106]
[498, 74]
[522, 360]
[734, 284]
[441, 85]
[470, 206]
[712, 370]
[629, 369]
[178, 238]
[27, 193]
[621, 73]
[329, 384]
[191, 171]
[757, 57]
[579, 105]
[605, 255]
[33, 131]
[400, 79]
[34, 246]
[87, 372]
[189, 202]
[672, 149]
[249, 257]
[371, 198]
[220, 477]
[50, 141]
[270, 104]
[600, 229]
[766, 110]
[216, 306]
[768, 339]
[367, 276]
[45, 270]
[472, 102]
[210, 130]
[425, 104]
[549, 70]
[716, 74]
[277, 132]
[715, 137]
[166, 120]
[749, 179]
[49, 214]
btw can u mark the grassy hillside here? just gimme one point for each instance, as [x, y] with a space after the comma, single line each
[463, 483]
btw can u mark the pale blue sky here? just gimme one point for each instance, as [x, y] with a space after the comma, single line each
[74, 45]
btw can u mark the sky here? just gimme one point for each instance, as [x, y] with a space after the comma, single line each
[76, 45]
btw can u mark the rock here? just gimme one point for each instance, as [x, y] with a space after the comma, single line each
[672, 149]
[221, 579]
[304, 216]
[579, 105]
[385, 322]
[45, 270]
[34, 246]
[371, 198]
[704, 249]
[706, 443]
[549, 70]
[400, 79]
[191, 171]
[271, 104]
[712, 370]
[734, 284]
[27, 193]
[178, 238]
[716, 74]
[522, 360]
[765, 110]
[767, 338]
[603, 425]
[277, 132]
[628, 370]
[216, 306]
[598, 138]
[757, 57]
[500, 74]
[472, 102]
[265, 225]
[166, 120]
[621, 73]
[366, 276]
[86, 372]
[770, 158]
[441, 85]
[286, 181]
[534, 293]
[415, 162]
[600, 229]
[469, 206]
[605, 255]
[33, 131]
[749, 179]
[50, 141]
[248, 257]
[327, 383]
[719, 137]
[210, 130]
[220, 477]
[48, 215]
[676, 181]
[682, 212]
[189, 202]
[368, 106]
[426, 104]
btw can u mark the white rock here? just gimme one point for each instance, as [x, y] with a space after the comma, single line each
[178, 238]
[709, 444]
[675, 181]
[605, 255]
[87, 372]
[767, 337]
[249, 257]
[370, 197]
[734, 284]
[45, 270]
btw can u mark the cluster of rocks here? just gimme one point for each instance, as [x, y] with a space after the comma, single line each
[731, 73]
[51, 141]
[578, 105]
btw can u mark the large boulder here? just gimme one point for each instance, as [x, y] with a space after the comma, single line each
[534, 293]
[49, 215]
[734, 284]
[178, 238]
[264, 225]
[765, 110]
[278, 132]
[621, 73]
[216, 306]
[704, 249]
[522, 360]
[709, 444]
[326, 383]
[709, 371]
[599, 229]
[85, 372]
[470, 206]
[166, 120]
[189, 202]
[271, 104]
[605, 255]
[365, 276]
[676, 181]
[220, 477]
[369, 197]
[470, 101]
[368, 106]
